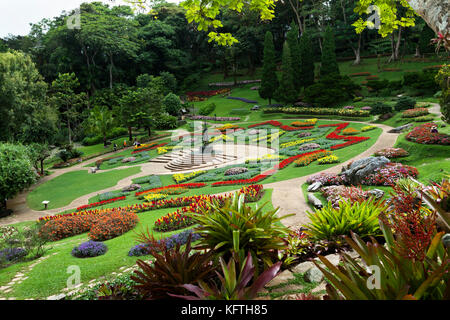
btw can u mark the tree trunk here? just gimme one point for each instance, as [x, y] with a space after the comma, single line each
[3, 204]
[297, 15]
[42, 167]
[417, 55]
[130, 134]
[70, 135]
[149, 131]
[397, 45]
[111, 64]
[435, 14]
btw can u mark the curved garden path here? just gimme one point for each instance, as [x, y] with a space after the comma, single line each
[287, 194]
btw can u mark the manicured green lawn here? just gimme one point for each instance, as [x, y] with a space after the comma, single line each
[64, 189]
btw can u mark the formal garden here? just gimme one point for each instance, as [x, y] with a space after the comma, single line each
[270, 166]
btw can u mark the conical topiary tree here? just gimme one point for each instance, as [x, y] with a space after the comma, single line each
[269, 80]
[292, 40]
[329, 63]
[286, 91]
[306, 60]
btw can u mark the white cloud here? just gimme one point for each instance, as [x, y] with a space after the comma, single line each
[16, 15]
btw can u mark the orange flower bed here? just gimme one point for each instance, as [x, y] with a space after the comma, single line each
[113, 225]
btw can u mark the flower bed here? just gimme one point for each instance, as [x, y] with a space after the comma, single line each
[349, 131]
[182, 177]
[173, 221]
[214, 118]
[296, 142]
[389, 174]
[368, 128]
[318, 111]
[328, 159]
[334, 136]
[155, 197]
[308, 122]
[185, 185]
[413, 113]
[203, 95]
[359, 74]
[334, 194]
[101, 203]
[326, 179]
[266, 158]
[307, 159]
[392, 153]
[422, 134]
[281, 126]
[104, 223]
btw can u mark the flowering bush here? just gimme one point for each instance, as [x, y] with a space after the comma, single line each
[334, 194]
[366, 108]
[182, 177]
[101, 203]
[326, 179]
[349, 107]
[412, 113]
[201, 95]
[12, 254]
[113, 225]
[252, 193]
[328, 159]
[89, 249]
[304, 134]
[389, 174]
[392, 153]
[422, 134]
[307, 159]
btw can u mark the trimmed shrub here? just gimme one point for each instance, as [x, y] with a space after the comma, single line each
[404, 103]
[380, 108]
[206, 110]
[331, 90]
[89, 249]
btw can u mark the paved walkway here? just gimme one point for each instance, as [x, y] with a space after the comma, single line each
[287, 194]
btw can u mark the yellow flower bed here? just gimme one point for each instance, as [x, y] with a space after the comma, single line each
[367, 128]
[266, 158]
[155, 196]
[182, 177]
[328, 160]
[227, 127]
[302, 123]
[220, 137]
[270, 137]
[293, 143]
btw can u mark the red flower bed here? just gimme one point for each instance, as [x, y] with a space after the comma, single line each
[149, 148]
[422, 134]
[335, 136]
[205, 94]
[358, 74]
[185, 185]
[101, 203]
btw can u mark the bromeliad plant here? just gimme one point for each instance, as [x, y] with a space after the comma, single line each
[234, 281]
[330, 223]
[233, 226]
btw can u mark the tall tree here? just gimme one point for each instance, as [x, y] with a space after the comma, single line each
[22, 97]
[306, 60]
[329, 63]
[269, 80]
[286, 91]
[70, 103]
[16, 171]
[100, 122]
[292, 40]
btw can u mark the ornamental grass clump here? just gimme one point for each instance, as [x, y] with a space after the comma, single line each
[233, 226]
[89, 249]
[330, 223]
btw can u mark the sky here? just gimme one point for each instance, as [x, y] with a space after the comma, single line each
[16, 15]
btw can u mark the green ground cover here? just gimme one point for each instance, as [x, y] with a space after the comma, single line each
[69, 186]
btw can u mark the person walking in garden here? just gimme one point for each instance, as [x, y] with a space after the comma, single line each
[124, 143]
[434, 129]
